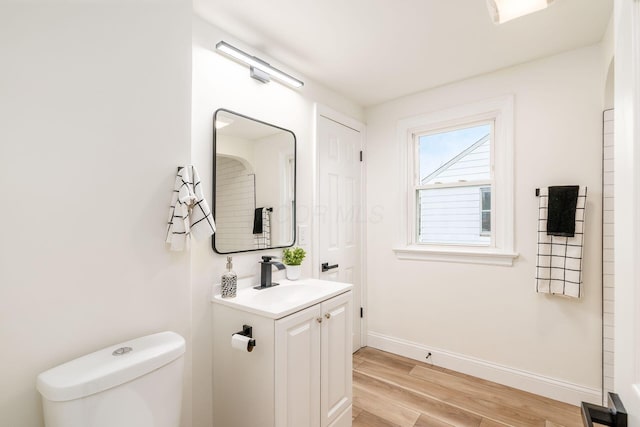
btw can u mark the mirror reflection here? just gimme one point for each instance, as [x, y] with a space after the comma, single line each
[254, 184]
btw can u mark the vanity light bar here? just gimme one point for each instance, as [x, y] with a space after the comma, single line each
[258, 64]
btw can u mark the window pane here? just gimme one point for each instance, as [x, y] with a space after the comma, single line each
[486, 222]
[454, 156]
[450, 216]
[486, 199]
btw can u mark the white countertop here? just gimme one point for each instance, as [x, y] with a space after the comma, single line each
[286, 298]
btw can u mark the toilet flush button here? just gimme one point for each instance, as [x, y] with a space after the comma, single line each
[121, 351]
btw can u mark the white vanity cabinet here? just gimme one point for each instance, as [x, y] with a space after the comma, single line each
[298, 374]
[313, 365]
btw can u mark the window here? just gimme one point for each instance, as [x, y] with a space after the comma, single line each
[459, 181]
[454, 177]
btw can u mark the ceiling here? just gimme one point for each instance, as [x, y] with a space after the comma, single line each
[372, 51]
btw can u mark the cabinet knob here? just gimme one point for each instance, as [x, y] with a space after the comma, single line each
[328, 315]
[319, 320]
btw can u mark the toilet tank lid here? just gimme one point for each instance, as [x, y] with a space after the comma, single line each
[106, 368]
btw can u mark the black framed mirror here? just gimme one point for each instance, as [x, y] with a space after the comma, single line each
[254, 184]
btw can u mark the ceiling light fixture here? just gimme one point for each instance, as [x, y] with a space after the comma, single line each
[260, 70]
[502, 11]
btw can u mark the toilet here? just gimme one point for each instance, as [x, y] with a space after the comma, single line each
[137, 383]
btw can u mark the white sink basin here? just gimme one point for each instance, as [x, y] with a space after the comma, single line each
[284, 299]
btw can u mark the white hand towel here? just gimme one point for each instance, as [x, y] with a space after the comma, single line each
[189, 213]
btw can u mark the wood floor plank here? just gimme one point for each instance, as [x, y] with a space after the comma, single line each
[483, 406]
[477, 405]
[400, 377]
[355, 411]
[431, 408]
[357, 362]
[490, 423]
[448, 398]
[366, 419]
[562, 413]
[426, 421]
[388, 359]
[488, 408]
[533, 399]
[384, 408]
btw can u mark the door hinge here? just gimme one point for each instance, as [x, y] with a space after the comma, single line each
[360, 155]
[361, 312]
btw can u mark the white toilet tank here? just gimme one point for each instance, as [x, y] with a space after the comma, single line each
[137, 383]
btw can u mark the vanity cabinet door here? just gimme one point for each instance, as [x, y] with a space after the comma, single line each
[336, 360]
[297, 369]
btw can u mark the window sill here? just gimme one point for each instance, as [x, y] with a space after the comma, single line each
[488, 256]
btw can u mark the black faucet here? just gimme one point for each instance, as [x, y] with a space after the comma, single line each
[265, 272]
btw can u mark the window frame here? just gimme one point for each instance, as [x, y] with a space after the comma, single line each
[417, 186]
[501, 251]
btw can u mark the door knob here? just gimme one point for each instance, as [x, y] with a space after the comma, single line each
[327, 267]
[319, 320]
[328, 315]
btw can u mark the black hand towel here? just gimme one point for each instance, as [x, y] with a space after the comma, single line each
[257, 221]
[561, 216]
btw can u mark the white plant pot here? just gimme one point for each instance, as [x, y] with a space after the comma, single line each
[293, 272]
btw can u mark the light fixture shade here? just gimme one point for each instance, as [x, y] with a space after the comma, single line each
[502, 11]
[258, 64]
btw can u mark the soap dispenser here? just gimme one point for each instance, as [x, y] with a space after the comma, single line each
[229, 281]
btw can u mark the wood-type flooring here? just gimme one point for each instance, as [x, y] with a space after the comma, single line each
[390, 390]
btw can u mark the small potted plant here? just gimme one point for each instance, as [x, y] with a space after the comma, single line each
[292, 258]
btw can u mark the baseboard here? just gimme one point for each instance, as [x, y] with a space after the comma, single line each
[552, 388]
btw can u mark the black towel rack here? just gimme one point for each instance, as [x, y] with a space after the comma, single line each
[538, 192]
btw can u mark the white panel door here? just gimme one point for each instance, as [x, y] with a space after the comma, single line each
[297, 369]
[336, 361]
[340, 211]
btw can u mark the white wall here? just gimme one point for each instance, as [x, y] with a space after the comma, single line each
[94, 119]
[492, 313]
[220, 82]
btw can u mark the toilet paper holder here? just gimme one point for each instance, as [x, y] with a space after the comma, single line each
[247, 331]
